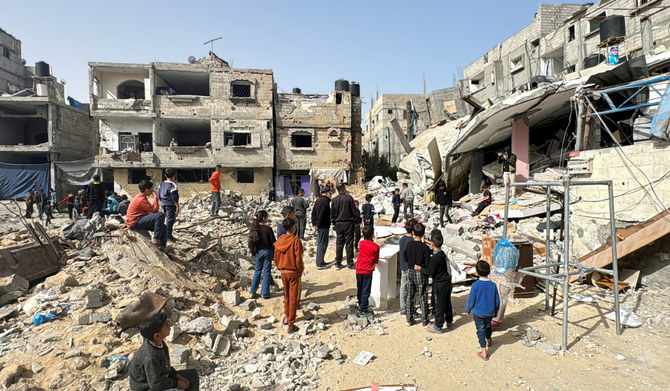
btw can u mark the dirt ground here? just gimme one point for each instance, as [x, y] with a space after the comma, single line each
[597, 358]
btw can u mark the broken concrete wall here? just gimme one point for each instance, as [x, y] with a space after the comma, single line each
[633, 204]
[114, 132]
[74, 135]
[314, 131]
[14, 77]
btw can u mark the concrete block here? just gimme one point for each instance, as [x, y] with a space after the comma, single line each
[539, 249]
[175, 332]
[13, 283]
[179, 357]
[465, 247]
[231, 298]
[199, 325]
[10, 297]
[248, 305]
[454, 229]
[101, 317]
[230, 324]
[93, 299]
[221, 346]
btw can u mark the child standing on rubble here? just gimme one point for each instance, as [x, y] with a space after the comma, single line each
[261, 244]
[484, 303]
[288, 258]
[368, 257]
[168, 194]
[438, 269]
[150, 368]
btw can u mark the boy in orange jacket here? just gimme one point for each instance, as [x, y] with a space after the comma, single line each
[288, 258]
[368, 257]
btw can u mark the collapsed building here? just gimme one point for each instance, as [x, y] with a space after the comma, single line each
[194, 116]
[44, 142]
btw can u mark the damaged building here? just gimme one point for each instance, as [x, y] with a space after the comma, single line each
[44, 142]
[194, 116]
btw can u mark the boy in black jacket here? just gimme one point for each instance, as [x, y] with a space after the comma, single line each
[150, 368]
[417, 253]
[438, 269]
[396, 201]
[368, 212]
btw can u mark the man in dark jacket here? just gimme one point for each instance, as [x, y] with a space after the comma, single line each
[443, 198]
[396, 201]
[300, 208]
[95, 196]
[343, 213]
[508, 160]
[321, 223]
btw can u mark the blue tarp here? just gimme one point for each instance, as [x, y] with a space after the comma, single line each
[17, 179]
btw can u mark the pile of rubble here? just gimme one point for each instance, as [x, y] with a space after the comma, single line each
[69, 320]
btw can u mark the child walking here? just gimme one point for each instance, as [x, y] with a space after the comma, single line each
[368, 257]
[438, 269]
[288, 258]
[417, 253]
[484, 302]
[261, 244]
[168, 193]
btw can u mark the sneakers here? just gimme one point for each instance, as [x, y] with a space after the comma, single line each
[351, 267]
[409, 322]
[435, 330]
[339, 266]
[367, 312]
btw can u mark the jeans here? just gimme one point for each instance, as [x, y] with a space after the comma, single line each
[264, 266]
[444, 209]
[345, 238]
[321, 246]
[170, 218]
[408, 204]
[484, 330]
[153, 222]
[396, 212]
[364, 284]
[403, 291]
[216, 203]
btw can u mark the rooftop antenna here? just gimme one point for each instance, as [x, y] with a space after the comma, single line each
[211, 42]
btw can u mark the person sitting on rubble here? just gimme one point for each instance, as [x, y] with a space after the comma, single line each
[508, 168]
[288, 252]
[112, 207]
[287, 212]
[150, 367]
[145, 216]
[123, 205]
[396, 201]
[261, 243]
[485, 202]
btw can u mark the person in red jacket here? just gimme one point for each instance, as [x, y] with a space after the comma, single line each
[288, 258]
[368, 257]
[142, 215]
[215, 180]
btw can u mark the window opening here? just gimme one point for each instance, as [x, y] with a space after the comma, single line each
[245, 175]
[237, 139]
[137, 175]
[338, 98]
[241, 90]
[301, 140]
[571, 33]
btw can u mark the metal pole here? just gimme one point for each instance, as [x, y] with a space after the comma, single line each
[566, 261]
[547, 241]
[615, 267]
[506, 210]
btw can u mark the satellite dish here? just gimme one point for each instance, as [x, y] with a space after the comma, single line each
[62, 81]
[191, 60]
[23, 62]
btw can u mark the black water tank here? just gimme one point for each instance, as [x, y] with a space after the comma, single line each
[612, 26]
[355, 89]
[593, 60]
[41, 68]
[341, 85]
[297, 91]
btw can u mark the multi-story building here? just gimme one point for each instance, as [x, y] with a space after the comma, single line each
[216, 115]
[39, 134]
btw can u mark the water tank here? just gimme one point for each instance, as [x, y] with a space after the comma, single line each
[355, 89]
[612, 26]
[593, 60]
[41, 68]
[341, 85]
[297, 90]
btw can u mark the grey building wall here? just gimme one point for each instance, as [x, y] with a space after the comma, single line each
[13, 75]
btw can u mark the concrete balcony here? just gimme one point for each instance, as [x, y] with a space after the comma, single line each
[123, 107]
[184, 106]
[126, 160]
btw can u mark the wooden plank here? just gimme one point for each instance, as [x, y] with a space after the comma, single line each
[634, 238]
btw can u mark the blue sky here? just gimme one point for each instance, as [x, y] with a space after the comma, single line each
[383, 45]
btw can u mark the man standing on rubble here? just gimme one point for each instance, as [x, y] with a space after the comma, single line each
[508, 160]
[215, 180]
[407, 197]
[321, 223]
[95, 196]
[443, 198]
[343, 212]
[300, 209]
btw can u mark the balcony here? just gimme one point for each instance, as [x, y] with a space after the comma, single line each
[123, 106]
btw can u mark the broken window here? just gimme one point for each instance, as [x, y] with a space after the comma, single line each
[571, 33]
[245, 175]
[137, 175]
[594, 23]
[534, 45]
[237, 139]
[301, 140]
[338, 98]
[187, 133]
[241, 89]
[516, 64]
[193, 175]
[390, 111]
[5, 52]
[174, 82]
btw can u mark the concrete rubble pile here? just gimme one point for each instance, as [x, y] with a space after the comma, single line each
[69, 321]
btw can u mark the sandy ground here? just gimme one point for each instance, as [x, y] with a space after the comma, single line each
[597, 359]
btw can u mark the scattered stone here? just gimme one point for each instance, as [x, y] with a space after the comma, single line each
[60, 281]
[323, 352]
[548, 348]
[248, 305]
[200, 325]
[175, 332]
[221, 346]
[179, 357]
[10, 297]
[264, 324]
[532, 335]
[230, 323]
[13, 283]
[620, 357]
[231, 298]
[312, 306]
[80, 363]
[93, 299]
[307, 315]
[83, 319]
[256, 313]
[72, 353]
[103, 317]
[37, 368]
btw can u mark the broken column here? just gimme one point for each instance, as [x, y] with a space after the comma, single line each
[520, 146]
